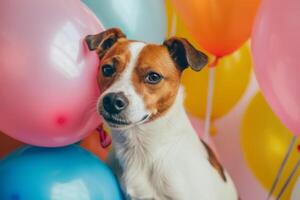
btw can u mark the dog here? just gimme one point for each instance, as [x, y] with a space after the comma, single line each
[158, 153]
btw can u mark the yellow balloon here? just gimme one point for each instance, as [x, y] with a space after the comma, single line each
[231, 80]
[232, 76]
[264, 143]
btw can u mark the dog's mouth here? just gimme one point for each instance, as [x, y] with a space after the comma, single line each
[115, 121]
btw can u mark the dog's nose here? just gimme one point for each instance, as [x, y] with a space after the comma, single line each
[114, 103]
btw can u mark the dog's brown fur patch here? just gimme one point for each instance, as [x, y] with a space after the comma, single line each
[214, 161]
[118, 54]
[159, 97]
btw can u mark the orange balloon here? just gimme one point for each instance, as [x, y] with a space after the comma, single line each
[92, 144]
[7, 145]
[220, 27]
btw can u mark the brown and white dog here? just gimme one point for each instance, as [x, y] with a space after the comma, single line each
[160, 155]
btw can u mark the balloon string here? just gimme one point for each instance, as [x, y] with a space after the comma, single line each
[282, 166]
[210, 93]
[287, 182]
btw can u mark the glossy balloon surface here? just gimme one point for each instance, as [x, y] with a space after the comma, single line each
[220, 27]
[276, 50]
[65, 173]
[48, 87]
[139, 19]
[264, 141]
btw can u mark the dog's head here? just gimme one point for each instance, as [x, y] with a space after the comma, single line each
[139, 81]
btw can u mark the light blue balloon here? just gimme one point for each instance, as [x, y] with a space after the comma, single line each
[139, 19]
[66, 173]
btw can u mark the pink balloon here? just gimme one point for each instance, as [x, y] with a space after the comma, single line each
[276, 53]
[48, 86]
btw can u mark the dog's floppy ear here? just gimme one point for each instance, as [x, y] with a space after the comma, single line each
[184, 54]
[103, 41]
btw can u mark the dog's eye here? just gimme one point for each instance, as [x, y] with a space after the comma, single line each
[108, 70]
[153, 78]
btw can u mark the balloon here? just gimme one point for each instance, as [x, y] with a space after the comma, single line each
[220, 27]
[48, 85]
[68, 173]
[177, 27]
[276, 49]
[92, 144]
[296, 191]
[264, 143]
[7, 144]
[139, 20]
[232, 78]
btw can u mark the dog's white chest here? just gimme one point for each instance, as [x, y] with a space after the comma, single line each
[147, 178]
[165, 160]
[175, 176]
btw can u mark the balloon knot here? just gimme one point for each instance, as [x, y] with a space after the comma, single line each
[215, 62]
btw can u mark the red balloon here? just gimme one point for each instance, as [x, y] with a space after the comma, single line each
[48, 87]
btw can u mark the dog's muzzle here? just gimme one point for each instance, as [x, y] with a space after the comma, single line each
[114, 103]
[111, 109]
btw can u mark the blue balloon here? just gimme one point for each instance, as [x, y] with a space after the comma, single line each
[139, 19]
[66, 173]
